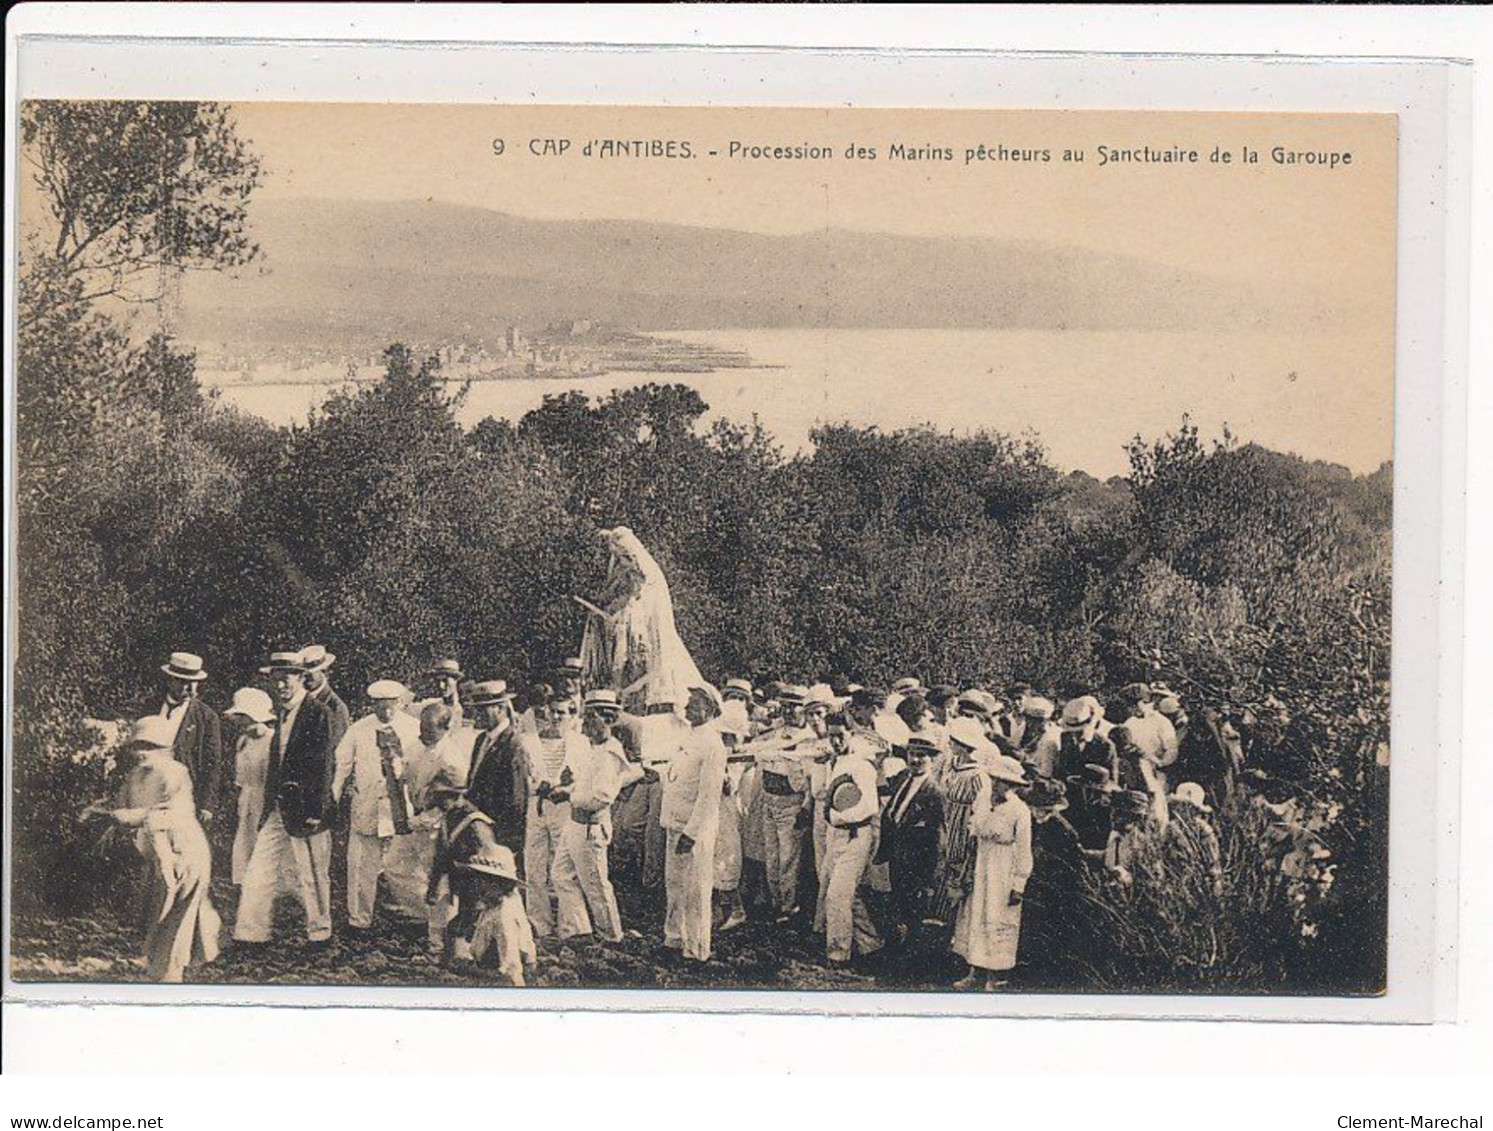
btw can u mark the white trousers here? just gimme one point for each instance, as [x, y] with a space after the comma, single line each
[542, 832]
[365, 863]
[274, 851]
[582, 886]
[848, 926]
[783, 845]
[688, 881]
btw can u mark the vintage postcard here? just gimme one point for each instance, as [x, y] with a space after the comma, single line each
[941, 551]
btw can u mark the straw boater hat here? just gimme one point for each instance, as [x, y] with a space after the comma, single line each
[491, 691]
[387, 689]
[924, 744]
[1190, 793]
[793, 694]
[184, 665]
[1079, 713]
[907, 685]
[842, 793]
[283, 662]
[495, 861]
[737, 689]
[448, 669]
[603, 699]
[251, 703]
[572, 666]
[315, 658]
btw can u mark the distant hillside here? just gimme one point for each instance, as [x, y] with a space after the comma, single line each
[356, 275]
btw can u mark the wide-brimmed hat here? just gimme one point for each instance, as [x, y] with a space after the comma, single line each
[387, 689]
[1093, 776]
[153, 732]
[978, 700]
[821, 695]
[448, 669]
[1046, 793]
[968, 732]
[283, 662]
[1005, 768]
[1036, 707]
[184, 665]
[252, 703]
[495, 861]
[602, 699]
[1190, 793]
[1080, 712]
[316, 658]
[489, 691]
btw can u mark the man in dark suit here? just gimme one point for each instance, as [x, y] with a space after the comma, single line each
[495, 784]
[198, 741]
[910, 826]
[316, 662]
[296, 830]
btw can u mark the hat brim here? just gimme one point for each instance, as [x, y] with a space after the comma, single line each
[191, 677]
[231, 712]
[273, 669]
[483, 870]
[1201, 806]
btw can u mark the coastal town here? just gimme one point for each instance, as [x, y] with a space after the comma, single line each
[576, 348]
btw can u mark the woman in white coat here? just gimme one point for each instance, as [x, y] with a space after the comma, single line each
[989, 923]
[251, 761]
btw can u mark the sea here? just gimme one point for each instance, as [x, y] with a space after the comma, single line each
[1081, 394]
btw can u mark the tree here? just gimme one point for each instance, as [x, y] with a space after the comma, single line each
[119, 190]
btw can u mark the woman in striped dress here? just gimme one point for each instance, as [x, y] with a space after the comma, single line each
[969, 750]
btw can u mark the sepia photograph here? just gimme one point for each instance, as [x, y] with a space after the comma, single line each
[493, 547]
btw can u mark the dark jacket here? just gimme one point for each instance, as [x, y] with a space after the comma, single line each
[909, 844]
[337, 713]
[199, 747]
[299, 780]
[495, 785]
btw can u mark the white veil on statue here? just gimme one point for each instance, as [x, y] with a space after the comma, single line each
[631, 643]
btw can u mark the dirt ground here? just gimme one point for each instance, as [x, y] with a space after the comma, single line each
[103, 946]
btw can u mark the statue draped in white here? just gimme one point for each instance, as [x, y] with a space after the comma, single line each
[630, 642]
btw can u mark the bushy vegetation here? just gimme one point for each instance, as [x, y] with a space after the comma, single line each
[151, 517]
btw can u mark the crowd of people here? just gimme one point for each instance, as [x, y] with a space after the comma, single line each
[901, 823]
